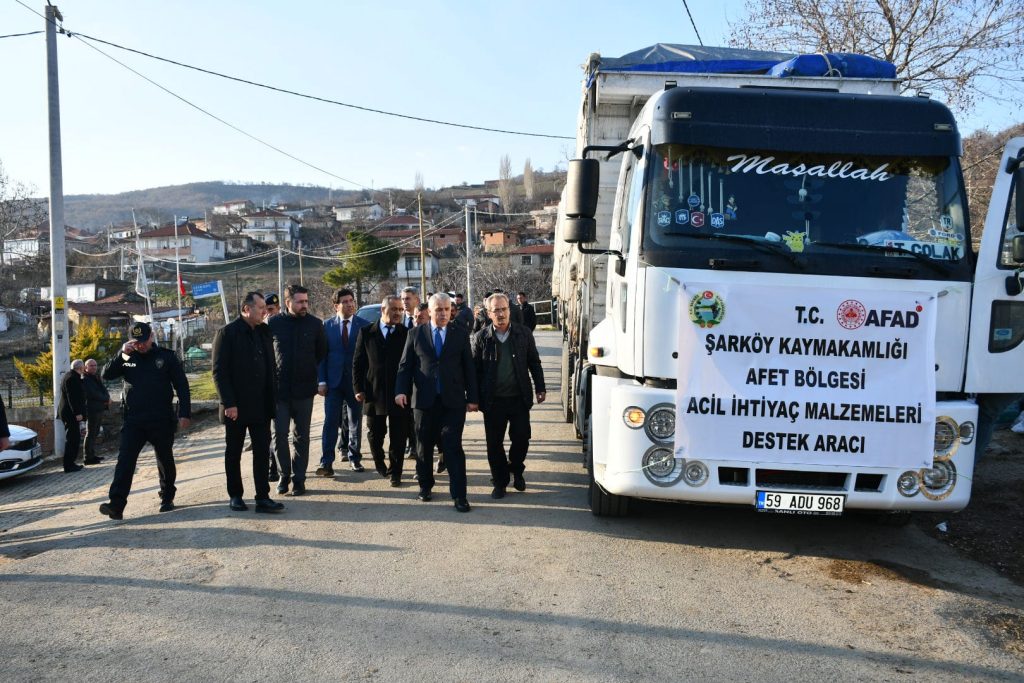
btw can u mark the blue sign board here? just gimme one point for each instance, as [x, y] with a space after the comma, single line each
[205, 289]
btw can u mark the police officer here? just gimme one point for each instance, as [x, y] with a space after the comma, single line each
[150, 373]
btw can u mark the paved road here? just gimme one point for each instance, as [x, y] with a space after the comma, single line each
[359, 581]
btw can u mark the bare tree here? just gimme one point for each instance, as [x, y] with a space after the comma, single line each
[965, 50]
[493, 271]
[418, 182]
[506, 190]
[528, 180]
[982, 153]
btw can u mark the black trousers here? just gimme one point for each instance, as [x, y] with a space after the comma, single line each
[441, 426]
[513, 415]
[234, 439]
[377, 427]
[134, 437]
[72, 442]
[91, 433]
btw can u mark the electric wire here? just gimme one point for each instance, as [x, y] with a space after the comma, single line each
[18, 35]
[693, 23]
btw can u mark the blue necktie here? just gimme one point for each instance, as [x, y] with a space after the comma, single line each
[437, 350]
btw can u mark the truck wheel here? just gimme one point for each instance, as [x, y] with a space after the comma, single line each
[602, 503]
[565, 390]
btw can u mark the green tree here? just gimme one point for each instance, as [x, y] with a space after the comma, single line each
[89, 341]
[368, 258]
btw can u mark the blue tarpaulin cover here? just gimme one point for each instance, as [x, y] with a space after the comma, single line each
[666, 57]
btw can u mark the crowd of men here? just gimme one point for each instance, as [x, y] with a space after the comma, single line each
[413, 375]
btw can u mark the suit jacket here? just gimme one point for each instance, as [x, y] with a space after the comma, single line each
[420, 368]
[375, 366]
[72, 396]
[244, 371]
[335, 369]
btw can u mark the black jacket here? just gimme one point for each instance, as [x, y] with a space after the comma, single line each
[420, 368]
[525, 363]
[299, 346]
[375, 366]
[96, 393]
[150, 381]
[72, 397]
[244, 371]
[529, 316]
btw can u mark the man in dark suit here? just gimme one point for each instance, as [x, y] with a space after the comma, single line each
[411, 304]
[72, 411]
[243, 372]
[374, 369]
[335, 375]
[437, 370]
[506, 358]
[529, 315]
[97, 400]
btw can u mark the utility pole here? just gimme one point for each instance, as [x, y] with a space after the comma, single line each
[280, 273]
[301, 281]
[60, 343]
[178, 285]
[469, 269]
[423, 256]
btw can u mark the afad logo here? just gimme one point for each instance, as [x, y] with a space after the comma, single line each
[707, 309]
[852, 314]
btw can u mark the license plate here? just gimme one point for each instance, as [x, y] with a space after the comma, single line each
[800, 503]
[37, 450]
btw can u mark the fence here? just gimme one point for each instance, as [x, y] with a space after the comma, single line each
[545, 312]
[16, 393]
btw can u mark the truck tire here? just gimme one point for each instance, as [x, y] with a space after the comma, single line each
[565, 389]
[602, 503]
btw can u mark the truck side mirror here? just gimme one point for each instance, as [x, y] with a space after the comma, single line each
[1018, 248]
[581, 189]
[1018, 198]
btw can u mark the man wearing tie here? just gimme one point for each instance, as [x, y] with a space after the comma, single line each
[374, 369]
[411, 305]
[437, 370]
[335, 376]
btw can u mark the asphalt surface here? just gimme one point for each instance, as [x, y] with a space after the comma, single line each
[360, 581]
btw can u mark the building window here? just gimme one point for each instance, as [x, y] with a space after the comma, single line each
[412, 263]
[527, 260]
[545, 259]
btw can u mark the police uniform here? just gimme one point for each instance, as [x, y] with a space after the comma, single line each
[150, 381]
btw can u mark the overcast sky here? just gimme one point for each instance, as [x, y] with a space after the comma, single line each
[509, 65]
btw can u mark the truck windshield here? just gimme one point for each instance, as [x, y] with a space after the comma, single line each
[910, 210]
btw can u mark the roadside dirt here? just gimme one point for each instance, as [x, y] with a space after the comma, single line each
[991, 529]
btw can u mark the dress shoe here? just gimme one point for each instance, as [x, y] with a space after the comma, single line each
[395, 483]
[109, 510]
[267, 505]
[282, 488]
[344, 458]
[167, 506]
[356, 466]
[238, 505]
[498, 493]
[96, 460]
[324, 472]
[441, 467]
[462, 505]
[383, 472]
[72, 468]
[274, 476]
[518, 483]
[297, 490]
[424, 496]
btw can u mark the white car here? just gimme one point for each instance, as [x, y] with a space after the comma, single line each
[23, 455]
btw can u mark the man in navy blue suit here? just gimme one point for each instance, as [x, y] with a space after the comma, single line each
[335, 375]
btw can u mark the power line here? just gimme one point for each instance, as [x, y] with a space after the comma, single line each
[693, 23]
[18, 35]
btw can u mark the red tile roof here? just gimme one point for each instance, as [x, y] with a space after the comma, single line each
[183, 230]
[534, 249]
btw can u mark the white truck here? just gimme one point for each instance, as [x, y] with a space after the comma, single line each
[768, 290]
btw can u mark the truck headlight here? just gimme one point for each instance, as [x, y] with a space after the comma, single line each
[939, 480]
[966, 432]
[908, 484]
[634, 417]
[661, 467]
[661, 422]
[947, 437]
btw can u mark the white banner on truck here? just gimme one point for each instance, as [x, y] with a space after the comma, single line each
[806, 376]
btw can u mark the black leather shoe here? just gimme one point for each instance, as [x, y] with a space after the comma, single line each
[441, 467]
[267, 505]
[356, 467]
[344, 458]
[518, 483]
[93, 461]
[238, 505]
[395, 483]
[462, 505]
[297, 490]
[324, 472]
[282, 488]
[167, 506]
[424, 496]
[497, 493]
[73, 468]
[274, 476]
[384, 474]
[110, 511]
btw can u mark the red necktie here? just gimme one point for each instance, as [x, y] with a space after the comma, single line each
[344, 333]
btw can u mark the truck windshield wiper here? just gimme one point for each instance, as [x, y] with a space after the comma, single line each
[777, 248]
[879, 248]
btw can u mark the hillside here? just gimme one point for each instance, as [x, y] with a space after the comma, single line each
[93, 211]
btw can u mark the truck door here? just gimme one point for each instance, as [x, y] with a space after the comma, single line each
[995, 356]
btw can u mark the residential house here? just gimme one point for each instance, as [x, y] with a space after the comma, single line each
[234, 207]
[433, 238]
[271, 227]
[499, 238]
[193, 245]
[411, 266]
[238, 244]
[535, 256]
[366, 211]
[94, 290]
[35, 241]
